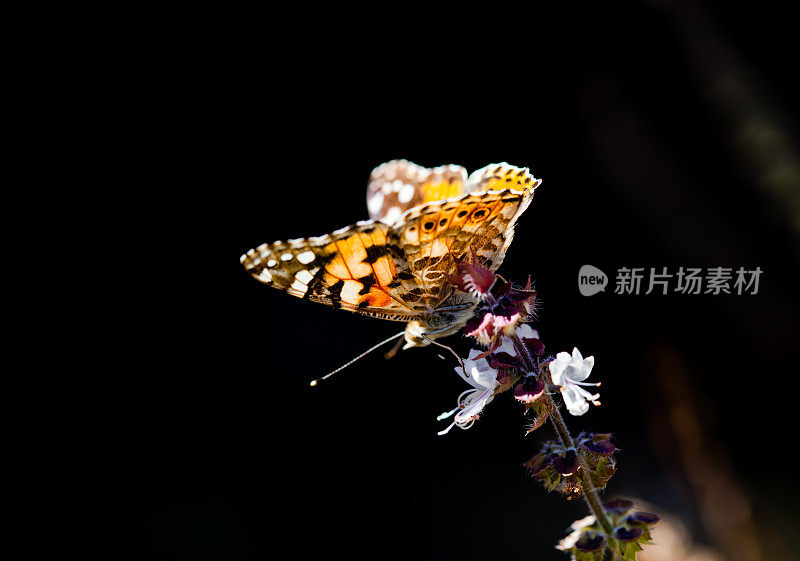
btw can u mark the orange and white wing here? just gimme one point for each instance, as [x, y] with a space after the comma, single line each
[354, 269]
[433, 236]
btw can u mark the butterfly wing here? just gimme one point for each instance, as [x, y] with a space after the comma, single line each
[354, 268]
[434, 235]
[400, 272]
[399, 185]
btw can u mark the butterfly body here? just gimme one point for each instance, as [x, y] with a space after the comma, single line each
[398, 264]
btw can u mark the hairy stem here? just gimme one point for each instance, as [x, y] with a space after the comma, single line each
[587, 487]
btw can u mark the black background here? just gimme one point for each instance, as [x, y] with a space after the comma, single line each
[243, 129]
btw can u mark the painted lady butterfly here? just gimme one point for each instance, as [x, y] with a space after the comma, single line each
[397, 265]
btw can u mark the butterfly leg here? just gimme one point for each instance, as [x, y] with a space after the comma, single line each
[393, 351]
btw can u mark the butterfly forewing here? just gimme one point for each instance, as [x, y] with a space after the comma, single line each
[435, 235]
[351, 268]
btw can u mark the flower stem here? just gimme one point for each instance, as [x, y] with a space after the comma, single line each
[587, 487]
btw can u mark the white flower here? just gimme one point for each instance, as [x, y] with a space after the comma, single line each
[483, 378]
[577, 530]
[523, 331]
[568, 373]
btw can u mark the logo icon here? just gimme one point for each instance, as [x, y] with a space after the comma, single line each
[591, 280]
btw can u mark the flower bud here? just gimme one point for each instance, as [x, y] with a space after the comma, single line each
[529, 390]
[590, 542]
[535, 347]
[643, 518]
[626, 535]
[568, 464]
[618, 506]
[586, 542]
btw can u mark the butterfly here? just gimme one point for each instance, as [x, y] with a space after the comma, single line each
[398, 265]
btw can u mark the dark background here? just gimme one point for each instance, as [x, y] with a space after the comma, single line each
[664, 134]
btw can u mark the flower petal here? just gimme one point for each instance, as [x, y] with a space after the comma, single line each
[507, 347]
[576, 405]
[525, 331]
[558, 366]
[578, 408]
[485, 379]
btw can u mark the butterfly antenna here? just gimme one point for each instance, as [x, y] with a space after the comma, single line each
[362, 355]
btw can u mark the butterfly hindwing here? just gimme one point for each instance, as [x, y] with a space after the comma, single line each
[399, 185]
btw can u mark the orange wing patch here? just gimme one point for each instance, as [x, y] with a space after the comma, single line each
[376, 298]
[361, 261]
[446, 188]
[352, 269]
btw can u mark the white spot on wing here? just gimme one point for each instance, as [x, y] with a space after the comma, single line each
[286, 257]
[392, 215]
[299, 287]
[350, 291]
[375, 203]
[303, 276]
[271, 263]
[406, 193]
[306, 257]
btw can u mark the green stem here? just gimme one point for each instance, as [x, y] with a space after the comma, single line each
[587, 487]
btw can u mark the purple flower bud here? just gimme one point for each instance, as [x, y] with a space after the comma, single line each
[529, 390]
[505, 316]
[599, 447]
[503, 359]
[590, 542]
[643, 518]
[567, 465]
[625, 535]
[618, 506]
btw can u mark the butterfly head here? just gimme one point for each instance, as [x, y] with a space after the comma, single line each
[447, 319]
